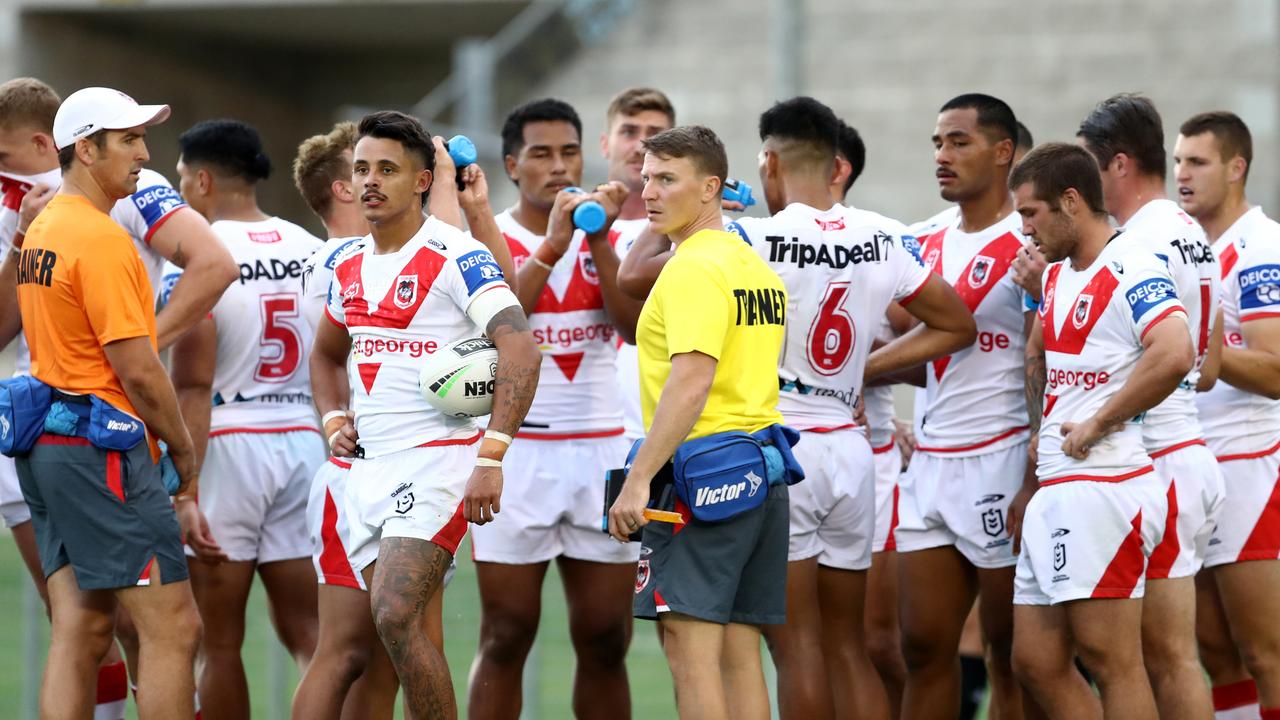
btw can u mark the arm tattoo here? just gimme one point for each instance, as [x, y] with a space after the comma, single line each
[179, 257]
[1035, 383]
[517, 378]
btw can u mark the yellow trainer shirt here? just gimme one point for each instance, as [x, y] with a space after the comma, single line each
[717, 297]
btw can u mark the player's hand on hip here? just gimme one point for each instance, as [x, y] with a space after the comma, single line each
[483, 497]
[342, 436]
[195, 531]
[627, 514]
[1028, 268]
[1081, 437]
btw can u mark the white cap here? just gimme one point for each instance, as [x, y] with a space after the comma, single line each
[87, 111]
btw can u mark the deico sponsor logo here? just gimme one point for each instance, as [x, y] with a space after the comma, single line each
[569, 336]
[1087, 379]
[366, 347]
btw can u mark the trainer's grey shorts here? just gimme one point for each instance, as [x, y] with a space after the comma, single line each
[723, 572]
[104, 512]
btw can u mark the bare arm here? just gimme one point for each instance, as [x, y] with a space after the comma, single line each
[683, 397]
[186, 240]
[1255, 368]
[622, 309]
[639, 270]
[519, 363]
[1036, 375]
[193, 361]
[1166, 359]
[148, 388]
[1211, 368]
[10, 315]
[532, 276]
[442, 201]
[946, 326]
[329, 386]
[474, 199]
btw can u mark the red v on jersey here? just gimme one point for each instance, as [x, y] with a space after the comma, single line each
[569, 363]
[368, 373]
[976, 280]
[583, 290]
[402, 300]
[1086, 309]
[1228, 260]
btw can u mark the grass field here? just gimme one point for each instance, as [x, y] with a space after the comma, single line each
[552, 662]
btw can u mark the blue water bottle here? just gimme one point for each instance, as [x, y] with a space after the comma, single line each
[463, 153]
[588, 217]
[738, 191]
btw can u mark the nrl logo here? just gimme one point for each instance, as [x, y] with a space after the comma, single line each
[1081, 314]
[406, 291]
[980, 271]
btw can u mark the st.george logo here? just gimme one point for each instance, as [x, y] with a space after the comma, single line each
[1081, 314]
[979, 272]
[588, 265]
[406, 291]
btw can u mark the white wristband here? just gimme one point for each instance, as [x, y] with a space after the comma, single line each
[499, 436]
[488, 462]
[334, 438]
[331, 415]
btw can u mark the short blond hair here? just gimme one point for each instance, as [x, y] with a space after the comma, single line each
[28, 103]
[319, 162]
[638, 99]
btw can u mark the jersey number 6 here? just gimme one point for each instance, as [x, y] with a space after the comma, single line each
[831, 336]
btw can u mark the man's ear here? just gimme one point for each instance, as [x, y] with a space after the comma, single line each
[44, 144]
[425, 179]
[204, 181]
[341, 191]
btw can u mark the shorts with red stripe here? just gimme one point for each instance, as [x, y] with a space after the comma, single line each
[832, 516]
[1087, 539]
[328, 528]
[105, 513]
[253, 491]
[1248, 527]
[1194, 499]
[961, 501]
[414, 493]
[888, 463]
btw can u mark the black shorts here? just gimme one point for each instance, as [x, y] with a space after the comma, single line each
[106, 513]
[731, 571]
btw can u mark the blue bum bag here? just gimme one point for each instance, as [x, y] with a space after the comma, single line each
[29, 408]
[24, 402]
[723, 475]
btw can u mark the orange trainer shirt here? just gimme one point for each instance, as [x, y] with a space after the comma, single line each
[81, 285]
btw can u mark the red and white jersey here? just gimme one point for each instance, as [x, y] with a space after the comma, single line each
[842, 268]
[974, 400]
[317, 275]
[401, 307]
[943, 219]
[577, 389]
[628, 360]
[1162, 228]
[140, 214]
[261, 377]
[878, 400]
[1235, 421]
[1094, 321]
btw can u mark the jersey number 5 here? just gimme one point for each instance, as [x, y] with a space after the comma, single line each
[831, 336]
[281, 342]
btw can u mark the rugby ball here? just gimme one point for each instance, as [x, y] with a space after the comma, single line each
[458, 378]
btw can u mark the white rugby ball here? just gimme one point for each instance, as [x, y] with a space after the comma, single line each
[458, 378]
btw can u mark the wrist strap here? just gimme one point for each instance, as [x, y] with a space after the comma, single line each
[331, 415]
[497, 435]
[333, 438]
[541, 263]
[488, 462]
[18, 237]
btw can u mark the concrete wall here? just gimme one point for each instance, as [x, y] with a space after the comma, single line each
[887, 65]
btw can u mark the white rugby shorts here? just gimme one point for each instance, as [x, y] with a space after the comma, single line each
[553, 504]
[13, 507]
[253, 491]
[1084, 539]
[1248, 527]
[961, 501]
[414, 493]
[888, 463]
[1194, 499]
[832, 510]
[328, 528]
